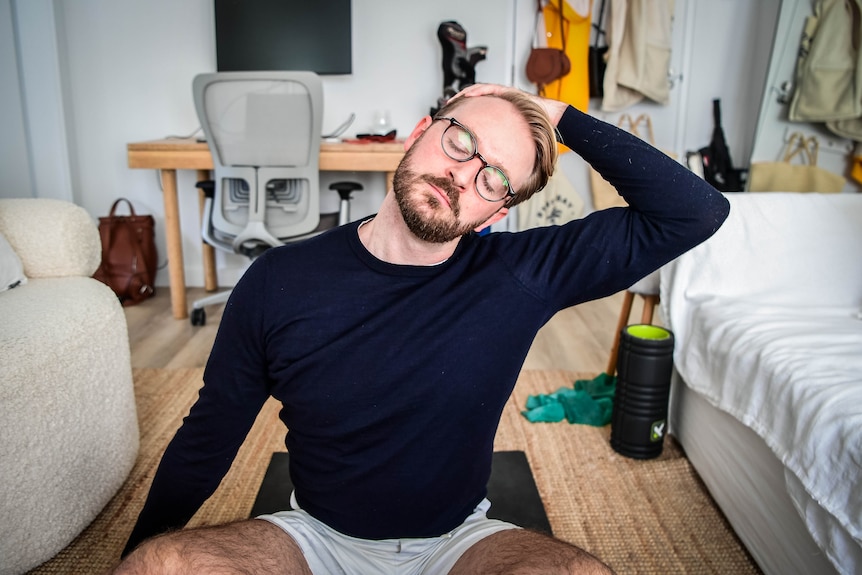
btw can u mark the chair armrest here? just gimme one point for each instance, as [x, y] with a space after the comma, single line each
[53, 238]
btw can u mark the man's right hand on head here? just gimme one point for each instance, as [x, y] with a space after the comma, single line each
[553, 108]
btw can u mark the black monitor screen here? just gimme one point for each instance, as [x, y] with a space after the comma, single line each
[309, 35]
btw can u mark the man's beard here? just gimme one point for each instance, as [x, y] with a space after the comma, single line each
[419, 208]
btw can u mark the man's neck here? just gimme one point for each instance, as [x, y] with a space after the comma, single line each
[389, 239]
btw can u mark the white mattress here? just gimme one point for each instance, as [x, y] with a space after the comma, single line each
[748, 483]
[794, 376]
[768, 330]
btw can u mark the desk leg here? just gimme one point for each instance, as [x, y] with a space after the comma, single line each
[210, 274]
[389, 177]
[175, 244]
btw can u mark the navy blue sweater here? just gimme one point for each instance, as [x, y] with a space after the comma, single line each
[393, 378]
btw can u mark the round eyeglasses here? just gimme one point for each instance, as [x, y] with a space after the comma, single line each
[459, 143]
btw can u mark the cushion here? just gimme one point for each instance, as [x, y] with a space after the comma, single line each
[11, 268]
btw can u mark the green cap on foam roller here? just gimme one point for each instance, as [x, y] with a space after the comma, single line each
[648, 332]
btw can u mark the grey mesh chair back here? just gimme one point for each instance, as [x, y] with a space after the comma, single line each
[263, 129]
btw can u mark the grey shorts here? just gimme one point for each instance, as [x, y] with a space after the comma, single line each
[329, 552]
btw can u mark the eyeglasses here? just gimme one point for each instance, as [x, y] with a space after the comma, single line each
[459, 143]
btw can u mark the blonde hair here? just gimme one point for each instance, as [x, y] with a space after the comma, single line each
[544, 140]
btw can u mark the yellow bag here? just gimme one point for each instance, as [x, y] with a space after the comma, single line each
[604, 194]
[856, 163]
[784, 176]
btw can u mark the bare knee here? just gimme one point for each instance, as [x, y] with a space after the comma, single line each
[158, 556]
[524, 552]
[178, 553]
[247, 547]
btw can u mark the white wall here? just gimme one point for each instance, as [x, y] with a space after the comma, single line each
[728, 59]
[14, 160]
[131, 66]
[126, 70]
[38, 79]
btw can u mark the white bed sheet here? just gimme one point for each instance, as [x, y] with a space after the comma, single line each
[794, 376]
[767, 326]
[748, 483]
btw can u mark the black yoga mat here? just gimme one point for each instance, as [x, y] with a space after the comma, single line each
[511, 490]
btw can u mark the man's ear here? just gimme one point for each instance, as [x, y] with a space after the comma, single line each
[495, 217]
[420, 128]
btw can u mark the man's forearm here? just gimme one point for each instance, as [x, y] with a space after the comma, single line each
[650, 181]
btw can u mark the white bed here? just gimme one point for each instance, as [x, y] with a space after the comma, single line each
[747, 481]
[767, 397]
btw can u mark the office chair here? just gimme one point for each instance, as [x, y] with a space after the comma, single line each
[263, 129]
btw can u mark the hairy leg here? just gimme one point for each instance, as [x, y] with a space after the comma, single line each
[246, 547]
[524, 552]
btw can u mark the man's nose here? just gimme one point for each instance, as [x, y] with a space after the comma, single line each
[463, 173]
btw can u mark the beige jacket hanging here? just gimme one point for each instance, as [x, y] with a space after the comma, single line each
[639, 40]
[829, 70]
[852, 127]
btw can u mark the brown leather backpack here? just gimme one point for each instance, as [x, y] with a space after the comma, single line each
[129, 258]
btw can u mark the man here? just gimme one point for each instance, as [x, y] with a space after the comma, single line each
[394, 343]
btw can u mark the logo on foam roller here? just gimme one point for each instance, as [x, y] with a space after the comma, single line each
[657, 430]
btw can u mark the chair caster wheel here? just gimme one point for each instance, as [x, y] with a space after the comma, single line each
[199, 316]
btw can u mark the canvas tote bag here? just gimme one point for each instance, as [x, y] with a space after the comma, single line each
[554, 205]
[785, 176]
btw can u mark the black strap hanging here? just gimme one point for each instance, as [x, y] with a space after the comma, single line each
[718, 167]
[597, 57]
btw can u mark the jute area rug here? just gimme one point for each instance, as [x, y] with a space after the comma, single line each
[651, 517]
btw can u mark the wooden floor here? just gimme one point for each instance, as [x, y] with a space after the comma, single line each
[576, 339]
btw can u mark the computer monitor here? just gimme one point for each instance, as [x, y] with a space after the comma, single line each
[311, 35]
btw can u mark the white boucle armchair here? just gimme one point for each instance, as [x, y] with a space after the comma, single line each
[68, 424]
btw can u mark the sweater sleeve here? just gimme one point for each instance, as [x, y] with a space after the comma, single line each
[200, 454]
[654, 185]
[670, 210]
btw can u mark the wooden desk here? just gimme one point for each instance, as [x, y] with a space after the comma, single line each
[168, 156]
